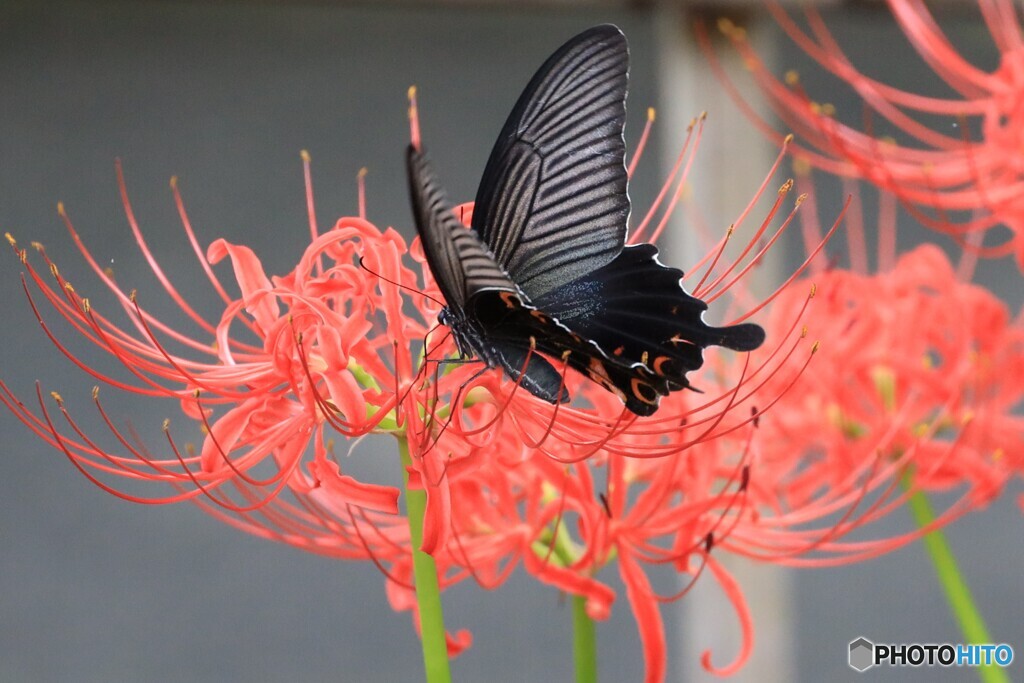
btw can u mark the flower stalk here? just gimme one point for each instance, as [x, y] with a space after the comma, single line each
[958, 594]
[428, 590]
[584, 641]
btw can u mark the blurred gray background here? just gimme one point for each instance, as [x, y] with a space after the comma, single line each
[224, 96]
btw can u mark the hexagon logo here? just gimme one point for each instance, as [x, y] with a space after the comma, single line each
[862, 654]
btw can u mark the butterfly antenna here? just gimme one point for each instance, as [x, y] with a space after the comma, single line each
[362, 264]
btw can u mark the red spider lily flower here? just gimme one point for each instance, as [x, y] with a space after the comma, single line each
[293, 361]
[653, 519]
[670, 493]
[915, 389]
[934, 170]
[346, 345]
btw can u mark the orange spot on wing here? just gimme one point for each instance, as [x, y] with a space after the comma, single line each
[658, 364]
[643, 391]
[510, 299]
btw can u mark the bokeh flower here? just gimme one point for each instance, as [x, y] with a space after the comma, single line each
[915, 389]
[956, 159]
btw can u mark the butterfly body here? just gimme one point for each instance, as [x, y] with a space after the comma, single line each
[544, 272]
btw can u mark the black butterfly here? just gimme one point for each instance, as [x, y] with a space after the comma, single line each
[544, 266]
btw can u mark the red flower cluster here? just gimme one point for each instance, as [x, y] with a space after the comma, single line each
[346, 345]
[777, 459]
[915, 388]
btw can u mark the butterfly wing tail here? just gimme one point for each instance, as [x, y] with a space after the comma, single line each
[744, 337]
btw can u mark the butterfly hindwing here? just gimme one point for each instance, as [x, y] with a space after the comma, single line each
[509, 322]
[552, 203]
[635, 309]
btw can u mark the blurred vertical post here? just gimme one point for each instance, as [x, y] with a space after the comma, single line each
[732, 162]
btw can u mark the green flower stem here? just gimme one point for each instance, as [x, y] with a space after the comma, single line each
[584, 642]
[559, 549]
[364, 378]
[428, 590]
[958, 595]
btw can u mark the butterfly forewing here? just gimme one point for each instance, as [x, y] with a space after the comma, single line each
[460, 263]
[552, 204]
